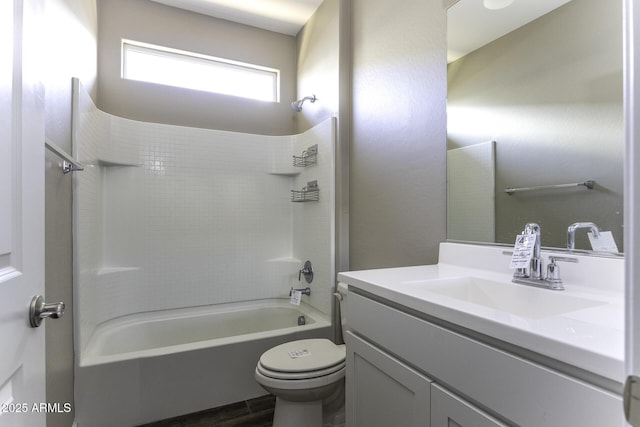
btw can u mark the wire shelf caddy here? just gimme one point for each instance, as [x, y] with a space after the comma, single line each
[310, 193]
[307, 158]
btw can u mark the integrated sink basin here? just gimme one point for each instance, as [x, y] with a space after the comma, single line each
[520, 300]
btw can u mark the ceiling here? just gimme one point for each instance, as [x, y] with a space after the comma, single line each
[469, 24]
[281, 16]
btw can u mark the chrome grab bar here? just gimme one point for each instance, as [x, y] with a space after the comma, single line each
[589, 184]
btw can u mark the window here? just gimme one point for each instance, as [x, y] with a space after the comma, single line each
[172, 67]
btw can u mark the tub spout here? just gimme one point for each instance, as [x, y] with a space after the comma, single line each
[571, 232]
[305, 291]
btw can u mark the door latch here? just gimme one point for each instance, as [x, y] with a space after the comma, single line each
[631, 396]
[39, 310]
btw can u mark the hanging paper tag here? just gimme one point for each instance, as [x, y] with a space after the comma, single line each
[523, 251]
[296, 354]
[604, 243]
[296, 297]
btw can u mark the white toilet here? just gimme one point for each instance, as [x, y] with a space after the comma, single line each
[306, 376]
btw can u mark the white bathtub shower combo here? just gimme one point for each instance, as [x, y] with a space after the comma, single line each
[186, 246]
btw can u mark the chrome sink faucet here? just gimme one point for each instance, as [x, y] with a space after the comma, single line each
[571, 232]
[532, 275]
[534, 271]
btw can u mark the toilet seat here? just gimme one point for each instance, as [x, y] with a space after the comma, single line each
[302, 359]
[299, 375]
[308, 384]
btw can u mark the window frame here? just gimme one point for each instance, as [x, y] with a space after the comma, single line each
[184, 56]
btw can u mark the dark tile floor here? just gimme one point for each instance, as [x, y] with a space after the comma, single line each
[256, 412]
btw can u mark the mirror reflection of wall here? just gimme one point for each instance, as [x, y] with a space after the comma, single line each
[550, 95]
[471, 193]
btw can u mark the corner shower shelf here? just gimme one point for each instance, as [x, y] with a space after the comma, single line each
[115, 270]
[108, 163]
[309, 157]
[284, 173]
[310, 193]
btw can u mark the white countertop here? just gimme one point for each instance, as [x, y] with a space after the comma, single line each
[589, 336]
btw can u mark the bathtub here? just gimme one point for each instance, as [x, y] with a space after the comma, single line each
[150, 366]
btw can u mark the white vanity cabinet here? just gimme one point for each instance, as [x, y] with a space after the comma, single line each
[449, 410]
[402, 367]
[382, 390]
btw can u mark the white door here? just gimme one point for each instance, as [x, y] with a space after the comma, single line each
[21, 214]
[632, 207]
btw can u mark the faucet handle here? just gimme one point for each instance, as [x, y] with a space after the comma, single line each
[554, 258]
[553, 271]
[307, 271]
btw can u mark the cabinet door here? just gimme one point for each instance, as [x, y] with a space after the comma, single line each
[382, 391]
[449, 410]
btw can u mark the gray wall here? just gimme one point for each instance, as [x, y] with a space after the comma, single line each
[318, 65]
[550, 94]
[397, 166]
[151, 22]
[71, 44]
[323, 69]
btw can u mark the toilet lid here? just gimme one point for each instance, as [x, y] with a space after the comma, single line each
[303, 356]
[338, 369]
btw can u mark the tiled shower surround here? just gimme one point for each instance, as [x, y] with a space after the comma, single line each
[169, 216]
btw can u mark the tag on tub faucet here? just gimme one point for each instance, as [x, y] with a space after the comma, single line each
[296, 296]
[523, 251]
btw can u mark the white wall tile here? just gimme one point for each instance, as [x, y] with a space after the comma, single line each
[202, 219]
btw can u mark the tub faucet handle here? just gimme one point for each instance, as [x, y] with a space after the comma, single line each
[307, 271]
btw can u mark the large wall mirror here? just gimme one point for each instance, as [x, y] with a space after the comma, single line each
[540, 106]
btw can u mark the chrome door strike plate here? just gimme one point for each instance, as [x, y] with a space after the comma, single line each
[631, 396]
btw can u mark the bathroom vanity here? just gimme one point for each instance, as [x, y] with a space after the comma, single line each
[458, 344]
